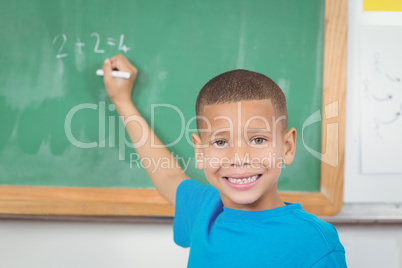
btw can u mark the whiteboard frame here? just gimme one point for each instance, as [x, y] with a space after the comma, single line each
[81, 201]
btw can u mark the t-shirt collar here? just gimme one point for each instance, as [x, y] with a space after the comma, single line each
[231, 214]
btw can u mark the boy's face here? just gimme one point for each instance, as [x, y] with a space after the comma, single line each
[242, 148]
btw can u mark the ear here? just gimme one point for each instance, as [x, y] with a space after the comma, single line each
[199, 154]
[289, 146]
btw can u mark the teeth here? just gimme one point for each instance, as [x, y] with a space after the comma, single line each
[244, 180]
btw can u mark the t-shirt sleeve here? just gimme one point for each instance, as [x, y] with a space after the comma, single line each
[334, 259]
[190, 196]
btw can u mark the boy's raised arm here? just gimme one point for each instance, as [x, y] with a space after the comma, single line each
[119, 90]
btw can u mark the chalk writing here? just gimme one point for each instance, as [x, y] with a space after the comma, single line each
[97, 44]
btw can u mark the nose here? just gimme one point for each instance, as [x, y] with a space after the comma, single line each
[239, 156]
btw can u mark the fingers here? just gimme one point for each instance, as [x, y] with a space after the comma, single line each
[118, 89]
[107, 70]
[120, 63]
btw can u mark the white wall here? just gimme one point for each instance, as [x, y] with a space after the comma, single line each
[62, 244]
[372, 245]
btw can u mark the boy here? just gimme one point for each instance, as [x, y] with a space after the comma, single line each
[242, 144]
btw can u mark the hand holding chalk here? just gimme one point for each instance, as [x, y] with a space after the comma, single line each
[115, 74]
[119, 90]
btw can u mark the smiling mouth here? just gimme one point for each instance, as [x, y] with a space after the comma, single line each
[243, 180]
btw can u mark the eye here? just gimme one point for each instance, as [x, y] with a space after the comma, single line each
[220, 143]
[258, 141]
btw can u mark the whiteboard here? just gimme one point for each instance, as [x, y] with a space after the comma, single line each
[380, 86]
[373, 151]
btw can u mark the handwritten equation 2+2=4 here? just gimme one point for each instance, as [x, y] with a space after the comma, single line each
[96, 46]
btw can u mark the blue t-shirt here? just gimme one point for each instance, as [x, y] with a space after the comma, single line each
[282, 237]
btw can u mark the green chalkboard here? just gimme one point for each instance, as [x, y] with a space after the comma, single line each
[57, 125]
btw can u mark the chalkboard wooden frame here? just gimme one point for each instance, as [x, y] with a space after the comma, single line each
[34, 200]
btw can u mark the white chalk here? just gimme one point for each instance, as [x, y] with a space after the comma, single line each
[116, 74]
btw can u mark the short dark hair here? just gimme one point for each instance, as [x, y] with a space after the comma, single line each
[240, 85]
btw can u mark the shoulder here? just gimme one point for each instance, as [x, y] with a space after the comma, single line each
[193, 194]
[193, 187]
[191, 184]
[315, 240]
[321, 231]
[193, 201]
